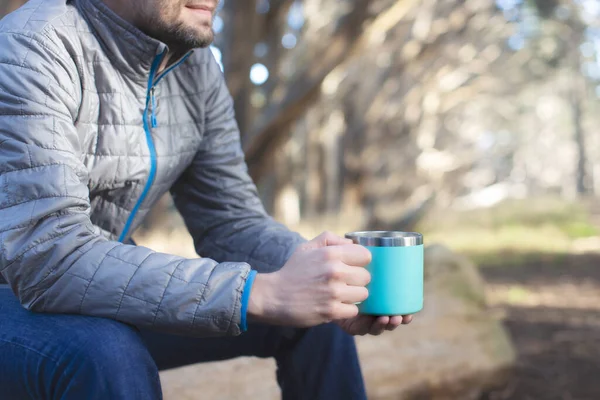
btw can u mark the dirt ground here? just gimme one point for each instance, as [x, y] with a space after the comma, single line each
[552, 308]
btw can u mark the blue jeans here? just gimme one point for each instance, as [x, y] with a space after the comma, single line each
[45, 356]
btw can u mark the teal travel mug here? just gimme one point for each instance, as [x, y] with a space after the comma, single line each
[396, 268]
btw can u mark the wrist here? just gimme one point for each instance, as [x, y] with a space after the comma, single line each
[261, 301]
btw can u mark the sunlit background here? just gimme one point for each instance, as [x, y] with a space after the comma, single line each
[472, 121]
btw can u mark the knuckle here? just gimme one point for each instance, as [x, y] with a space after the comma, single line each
[332, 292]
[334, 272]
[336, 292]
[337, 272]
[329, 291]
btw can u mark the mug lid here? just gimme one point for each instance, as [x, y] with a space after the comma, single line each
[386, 238]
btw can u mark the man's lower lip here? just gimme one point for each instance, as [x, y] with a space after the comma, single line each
[200, 11]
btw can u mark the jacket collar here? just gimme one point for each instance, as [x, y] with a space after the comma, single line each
[129, 49]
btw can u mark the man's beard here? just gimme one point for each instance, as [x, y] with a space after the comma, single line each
[180, 38]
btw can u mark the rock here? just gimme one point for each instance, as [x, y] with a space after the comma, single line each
[453, 349]
[586, 245]
[242, 378]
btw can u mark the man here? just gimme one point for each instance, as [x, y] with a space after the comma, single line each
[104, 106]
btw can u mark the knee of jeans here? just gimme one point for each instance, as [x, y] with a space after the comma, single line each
[109, 346]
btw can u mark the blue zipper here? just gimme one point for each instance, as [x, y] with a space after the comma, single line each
[150, 101]
[153, 120]
[150, 142]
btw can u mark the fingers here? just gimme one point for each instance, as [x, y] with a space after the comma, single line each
[379, 326]
[352, 294]
[398, 320]
[344, 311]
[372, 325]
[356, 276]
[350, 254]
[389, 323]
[328, 239]
[395, 322]
[334, 247]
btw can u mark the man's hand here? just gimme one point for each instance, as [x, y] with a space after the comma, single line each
[368, 324]
[320, 283]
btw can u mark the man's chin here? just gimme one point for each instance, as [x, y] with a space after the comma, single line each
[190, 38]
[202, 36]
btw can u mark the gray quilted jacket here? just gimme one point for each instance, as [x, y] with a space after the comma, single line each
[91, 136]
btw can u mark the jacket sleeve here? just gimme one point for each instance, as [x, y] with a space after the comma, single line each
[217, 198]
[51, 254]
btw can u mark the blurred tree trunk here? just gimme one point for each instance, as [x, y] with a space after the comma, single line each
[240, 39]
[578, 98]
[245, 30]
[577, 101]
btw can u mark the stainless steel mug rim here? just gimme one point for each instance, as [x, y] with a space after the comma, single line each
[386, 238]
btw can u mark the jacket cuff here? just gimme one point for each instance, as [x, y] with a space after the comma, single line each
[246, 299]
